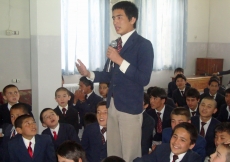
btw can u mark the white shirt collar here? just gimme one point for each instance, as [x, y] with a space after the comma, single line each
[63, 107]
[104, 133]
[125, 37]
[9, 106]
[162, 112]
[89, 94]
[180, 157]
[228, 111]
[194, 110]
[27, 142]
[213, 95]
[55, 129]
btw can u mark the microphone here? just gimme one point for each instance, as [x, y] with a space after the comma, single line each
[114, 45]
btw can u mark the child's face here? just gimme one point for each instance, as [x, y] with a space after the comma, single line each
[177, 119]
[62, 98]
[102, 114]
[221, 137]
[192, 103]
[63, 159]
[180, 141]
[103, 89]
[219, 155]
[207, 108]
[29, 128]
[213, 88]
[227, 98]
[15, 113]
[85, 89]
[12, 95]
[156, 102]
[180, 83]
[50, 119]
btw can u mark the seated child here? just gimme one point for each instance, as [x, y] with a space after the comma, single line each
[11, 96]
[182, 141]
[113, 159]
[172, 85]
[59, 132]
[70, 151]
[66, 113]
[205, 123]
[94, 136]
[178, 94]
[28, 146]
[222, 154]
[220, 90]
[103, 90]
[179, 115]
[224, 113]
[222, 133]
[90, 118]
[192, 99]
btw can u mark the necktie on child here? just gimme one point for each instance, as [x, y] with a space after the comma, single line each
[193, 113]
[55, 135]
[64, 111]
[30, 151]
[119, 45]
[175, 157]
[13, 133]
[103, 130]
[202, 133]
[182, 93]
[159, 123]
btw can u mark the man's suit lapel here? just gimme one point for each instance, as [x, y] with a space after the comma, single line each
[23, 150]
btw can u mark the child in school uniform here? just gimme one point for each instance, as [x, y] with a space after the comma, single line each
[192, 99]
[59, 132]
[224, 114]
[103, 90]
[94, 136]
[28, 146]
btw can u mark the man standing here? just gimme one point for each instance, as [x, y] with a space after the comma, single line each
[128, 70]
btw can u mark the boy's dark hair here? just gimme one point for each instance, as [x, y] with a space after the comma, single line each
[90, 118]
[181, 111]
[180, 76]
[193, 93]
[223, 127]
[8, 86]
[159, 92]
[191, 129]
[102, 103]
[104, 83]
[72, 151]
[113, 159]
[62, 89]
[42, 112]
[214, 80]
[21, 106]
[227, 91]
[87, 82]
[211, 99]
[149, 90]
[179, 69]
[129, 8]
[146, 99]
[18, 122]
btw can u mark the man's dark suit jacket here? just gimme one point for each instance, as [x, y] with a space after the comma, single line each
[219, 99]
[90, 105]
[5, 114]
[210, 134]
[43, 150]
[71, 117]
[223, 115]
[148, 125]
[221, 90]
[127, 88]
[224, 72]
[199, 147]
[172, 87]
[170, 102]
[197, 111]
[165, 123]
[92, 143]
[178, 98]
[66, 132]
[162, 154]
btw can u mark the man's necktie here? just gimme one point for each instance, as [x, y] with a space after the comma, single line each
[103, 130]
[202, 133]
[193, 113]
[30, 151]
[175, 157]
[13, 133]
[64, 111]
[159, 123]
[55, 135]
[119, 45]
[182, 93]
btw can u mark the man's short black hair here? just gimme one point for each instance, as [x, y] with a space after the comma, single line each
[223, 127]
[129, 8]
[180, 76]
[104, 83]
[72, 151]
[7, 87]
[42, 112]
[149, 90]
[181, 111]
[179, 69]
[62, 89]
[146, 99]
[159, 92]
[87, 82]
[18, 122]
[113, 159]
[227, 91]
[214, 80]
[193, 93]
[20, 106]
[191, 129]
[90, 118]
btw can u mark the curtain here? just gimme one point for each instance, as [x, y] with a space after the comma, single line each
[164, 23]
[85, 33]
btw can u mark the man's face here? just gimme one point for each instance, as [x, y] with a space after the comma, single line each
[207, 108]
[221, 137]
[121, 22]
[192, 103]
[50, 119]
[29, 128]
[177, 119]
[180, 141]
[12, 95]
[157, 102]
[15, 113]
[102, 115]
[180, 83]
[219, 155]
[62, 98]
[103, 90]
[227, 98]
[213, 88]
[84, 89]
